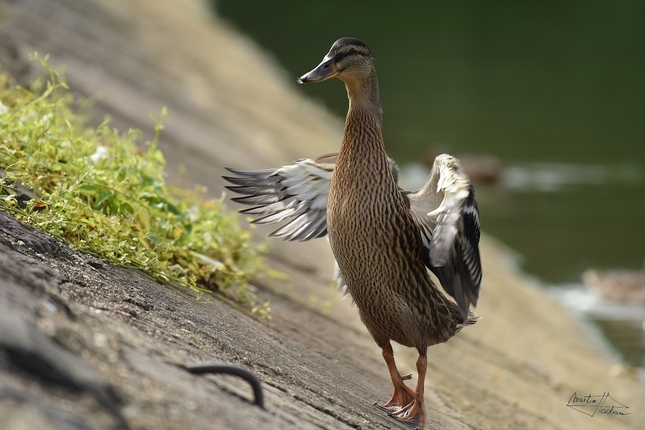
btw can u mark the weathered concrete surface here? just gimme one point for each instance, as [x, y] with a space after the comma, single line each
[231, 105]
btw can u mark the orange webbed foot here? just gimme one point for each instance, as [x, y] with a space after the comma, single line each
[412, 415]
[401, 397]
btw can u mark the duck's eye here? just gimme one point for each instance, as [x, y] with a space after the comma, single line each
[352, 51]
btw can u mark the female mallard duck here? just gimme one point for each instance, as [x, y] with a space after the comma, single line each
[383, 238]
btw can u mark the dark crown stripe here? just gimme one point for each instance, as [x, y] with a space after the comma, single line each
[347, 41]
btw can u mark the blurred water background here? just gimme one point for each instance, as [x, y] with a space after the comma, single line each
[546, 99]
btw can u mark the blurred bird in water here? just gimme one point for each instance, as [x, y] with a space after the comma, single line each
[627, 286]
[383, 238]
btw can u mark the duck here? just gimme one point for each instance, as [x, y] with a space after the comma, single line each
[625, 286]
[385, 240]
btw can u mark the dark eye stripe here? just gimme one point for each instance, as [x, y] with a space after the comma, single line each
[348, 53]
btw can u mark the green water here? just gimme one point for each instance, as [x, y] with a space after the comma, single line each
[544, 82]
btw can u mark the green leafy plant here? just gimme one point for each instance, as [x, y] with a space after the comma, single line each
[105, 193]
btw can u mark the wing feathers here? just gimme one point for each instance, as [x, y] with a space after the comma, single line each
[296, 193]
[446, 212]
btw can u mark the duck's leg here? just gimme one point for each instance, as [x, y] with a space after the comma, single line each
[414, 413]
[402, 395]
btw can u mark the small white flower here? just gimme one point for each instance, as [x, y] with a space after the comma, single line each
[100, 154]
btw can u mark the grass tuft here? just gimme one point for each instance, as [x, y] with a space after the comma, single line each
[105, 193]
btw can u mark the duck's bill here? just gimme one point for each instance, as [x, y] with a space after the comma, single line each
[325, 70]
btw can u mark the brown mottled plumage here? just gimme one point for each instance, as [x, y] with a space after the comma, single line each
[377, 243]
[383, 238]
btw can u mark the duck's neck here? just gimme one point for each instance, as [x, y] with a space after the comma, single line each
[363, 94]
[363, 139]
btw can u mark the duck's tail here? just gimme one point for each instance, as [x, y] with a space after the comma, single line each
[472, 319]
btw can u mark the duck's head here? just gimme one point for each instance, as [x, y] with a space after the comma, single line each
[348, 59]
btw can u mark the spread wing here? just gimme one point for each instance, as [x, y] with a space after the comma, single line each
[296, 193]
[446, 212]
